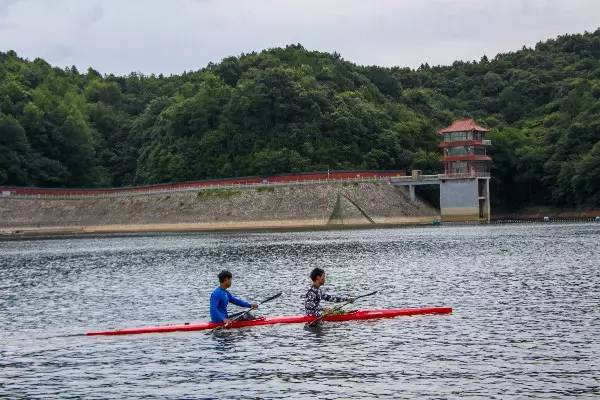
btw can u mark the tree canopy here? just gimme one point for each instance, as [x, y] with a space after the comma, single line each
[292, 110]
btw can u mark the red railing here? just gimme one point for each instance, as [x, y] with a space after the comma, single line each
[457, 143]
[473, 174]
[243, 181]
[467, 157]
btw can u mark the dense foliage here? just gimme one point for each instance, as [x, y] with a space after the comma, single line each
[290, 109]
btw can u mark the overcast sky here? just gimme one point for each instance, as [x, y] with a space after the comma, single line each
[171, 36]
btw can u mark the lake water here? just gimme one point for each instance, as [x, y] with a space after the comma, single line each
[526, 320]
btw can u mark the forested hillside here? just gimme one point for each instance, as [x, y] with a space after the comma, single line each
[291, 109]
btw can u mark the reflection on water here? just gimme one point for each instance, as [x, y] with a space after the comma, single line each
[525, 321]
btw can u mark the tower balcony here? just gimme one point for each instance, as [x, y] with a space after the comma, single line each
[467, 157]
[465, 175]
[465, 143]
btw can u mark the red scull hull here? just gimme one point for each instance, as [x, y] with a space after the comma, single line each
[293, 319]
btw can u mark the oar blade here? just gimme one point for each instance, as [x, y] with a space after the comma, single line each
[367, 295]
[272, 297]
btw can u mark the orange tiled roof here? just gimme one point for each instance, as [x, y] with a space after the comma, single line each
[460, 125]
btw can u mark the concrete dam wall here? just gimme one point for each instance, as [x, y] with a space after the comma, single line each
[318, 205]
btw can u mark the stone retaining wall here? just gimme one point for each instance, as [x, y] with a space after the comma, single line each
[326, 204]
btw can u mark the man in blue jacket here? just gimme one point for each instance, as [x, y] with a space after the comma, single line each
[220, 297]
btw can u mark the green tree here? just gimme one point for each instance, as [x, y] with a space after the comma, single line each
[13, 152]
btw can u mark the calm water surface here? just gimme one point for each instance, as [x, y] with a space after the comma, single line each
[526, 319]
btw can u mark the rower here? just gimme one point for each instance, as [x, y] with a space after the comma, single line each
[314, 295]
[220, 297]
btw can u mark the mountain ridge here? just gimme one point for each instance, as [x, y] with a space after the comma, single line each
[293, 110]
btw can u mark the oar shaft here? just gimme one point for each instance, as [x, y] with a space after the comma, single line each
[236, 314]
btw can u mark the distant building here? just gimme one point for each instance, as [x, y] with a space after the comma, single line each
[465, 184]
[464, 149]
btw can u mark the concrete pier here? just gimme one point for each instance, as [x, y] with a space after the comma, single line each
[463, 197]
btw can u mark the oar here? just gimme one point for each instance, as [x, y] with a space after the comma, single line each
[337, 308]
[238, 316]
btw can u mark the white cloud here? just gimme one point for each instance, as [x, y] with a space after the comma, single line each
[170, 37]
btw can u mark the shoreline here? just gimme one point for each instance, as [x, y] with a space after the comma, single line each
[234, 226]
[57, 232]
[550, 213]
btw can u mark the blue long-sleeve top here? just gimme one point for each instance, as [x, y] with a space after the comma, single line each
[218, 304]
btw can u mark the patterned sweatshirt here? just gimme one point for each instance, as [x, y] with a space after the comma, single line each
[313, 299]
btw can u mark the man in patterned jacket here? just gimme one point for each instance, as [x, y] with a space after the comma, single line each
[315, 295]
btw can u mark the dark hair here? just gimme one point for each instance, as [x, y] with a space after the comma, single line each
[316, 273]
[224, 275]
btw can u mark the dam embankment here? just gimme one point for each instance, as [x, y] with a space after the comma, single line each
[303, 206]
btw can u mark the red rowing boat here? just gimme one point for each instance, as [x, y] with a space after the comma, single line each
[292, 319]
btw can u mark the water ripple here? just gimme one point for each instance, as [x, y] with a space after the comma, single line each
[525, 321]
